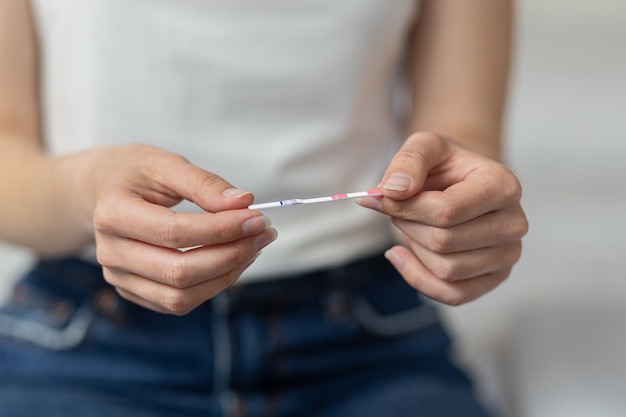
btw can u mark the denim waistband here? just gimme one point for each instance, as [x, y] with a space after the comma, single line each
[75, 277]
[80, 279]
[295, 289]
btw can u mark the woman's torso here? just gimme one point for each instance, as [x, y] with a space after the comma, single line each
[284, 98]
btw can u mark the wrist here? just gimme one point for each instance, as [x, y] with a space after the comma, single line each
[70, 193]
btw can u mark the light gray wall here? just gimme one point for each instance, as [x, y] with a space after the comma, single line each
[567, 142]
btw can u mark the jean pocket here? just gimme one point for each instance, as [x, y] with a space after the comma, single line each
[389, 324]
[44, 318]
[384, 305]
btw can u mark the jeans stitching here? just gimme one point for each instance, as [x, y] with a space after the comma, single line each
[396, 324]
[47, 336]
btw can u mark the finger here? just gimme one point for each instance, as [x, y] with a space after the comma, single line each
[470, 264]
[134, 218]
[486, 189]
[181, 269]
[165, 299]
[450, 293]
[491, 229]
[209, 191]
[133, 298]
[454, 185]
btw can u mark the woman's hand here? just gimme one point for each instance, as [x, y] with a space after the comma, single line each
[129, 191]
[459, 214]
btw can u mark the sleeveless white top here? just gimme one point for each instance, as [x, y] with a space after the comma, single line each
[285, 98]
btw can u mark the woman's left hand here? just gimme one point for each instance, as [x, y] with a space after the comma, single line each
[459, 214]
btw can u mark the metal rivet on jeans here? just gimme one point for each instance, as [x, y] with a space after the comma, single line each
[106, 302]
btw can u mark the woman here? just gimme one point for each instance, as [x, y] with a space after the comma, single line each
[114, 112]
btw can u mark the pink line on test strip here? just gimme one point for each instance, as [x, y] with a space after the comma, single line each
[369, 193]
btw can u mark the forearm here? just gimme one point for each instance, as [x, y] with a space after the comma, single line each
[35, 210]
[460, 67]
[38, 209]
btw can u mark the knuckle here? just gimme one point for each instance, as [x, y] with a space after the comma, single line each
[176, 302]
[205, 181]
[454, 299]
[103, 219]
[178, 157]
[441, 240]
[177, 274]
[447, 270]
[522, 226]
[171, 234]
[105, 257]
[511, 187]
[223, 231]
[448, 214]
[409, 157]
[413, 152]
[517, 226]
[398, 212]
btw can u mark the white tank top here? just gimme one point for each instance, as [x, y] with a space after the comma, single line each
[284, 98]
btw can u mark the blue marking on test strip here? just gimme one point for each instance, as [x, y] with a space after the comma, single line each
[291, 202]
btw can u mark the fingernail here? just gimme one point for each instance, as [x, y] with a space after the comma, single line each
[235, 193]
[397, 182]
[370, 202]
[256, 225]
[395, 260]
[265, 239]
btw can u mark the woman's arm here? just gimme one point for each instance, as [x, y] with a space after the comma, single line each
[460, 66]
[457, 208]
[119, 197]
[31, 212]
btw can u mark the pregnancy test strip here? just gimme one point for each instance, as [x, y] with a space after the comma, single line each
[299, 201]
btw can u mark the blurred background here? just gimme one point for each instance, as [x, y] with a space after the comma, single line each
[551, 341]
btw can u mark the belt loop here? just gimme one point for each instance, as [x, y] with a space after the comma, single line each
[222, 359]
[337, 292]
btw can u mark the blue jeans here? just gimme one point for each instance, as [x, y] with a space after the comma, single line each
[350, 341]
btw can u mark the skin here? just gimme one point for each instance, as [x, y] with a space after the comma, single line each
[457, 209]
[117, 196]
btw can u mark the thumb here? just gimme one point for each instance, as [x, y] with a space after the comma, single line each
[408, 170]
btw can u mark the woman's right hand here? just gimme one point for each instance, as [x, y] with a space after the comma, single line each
[140, 240]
